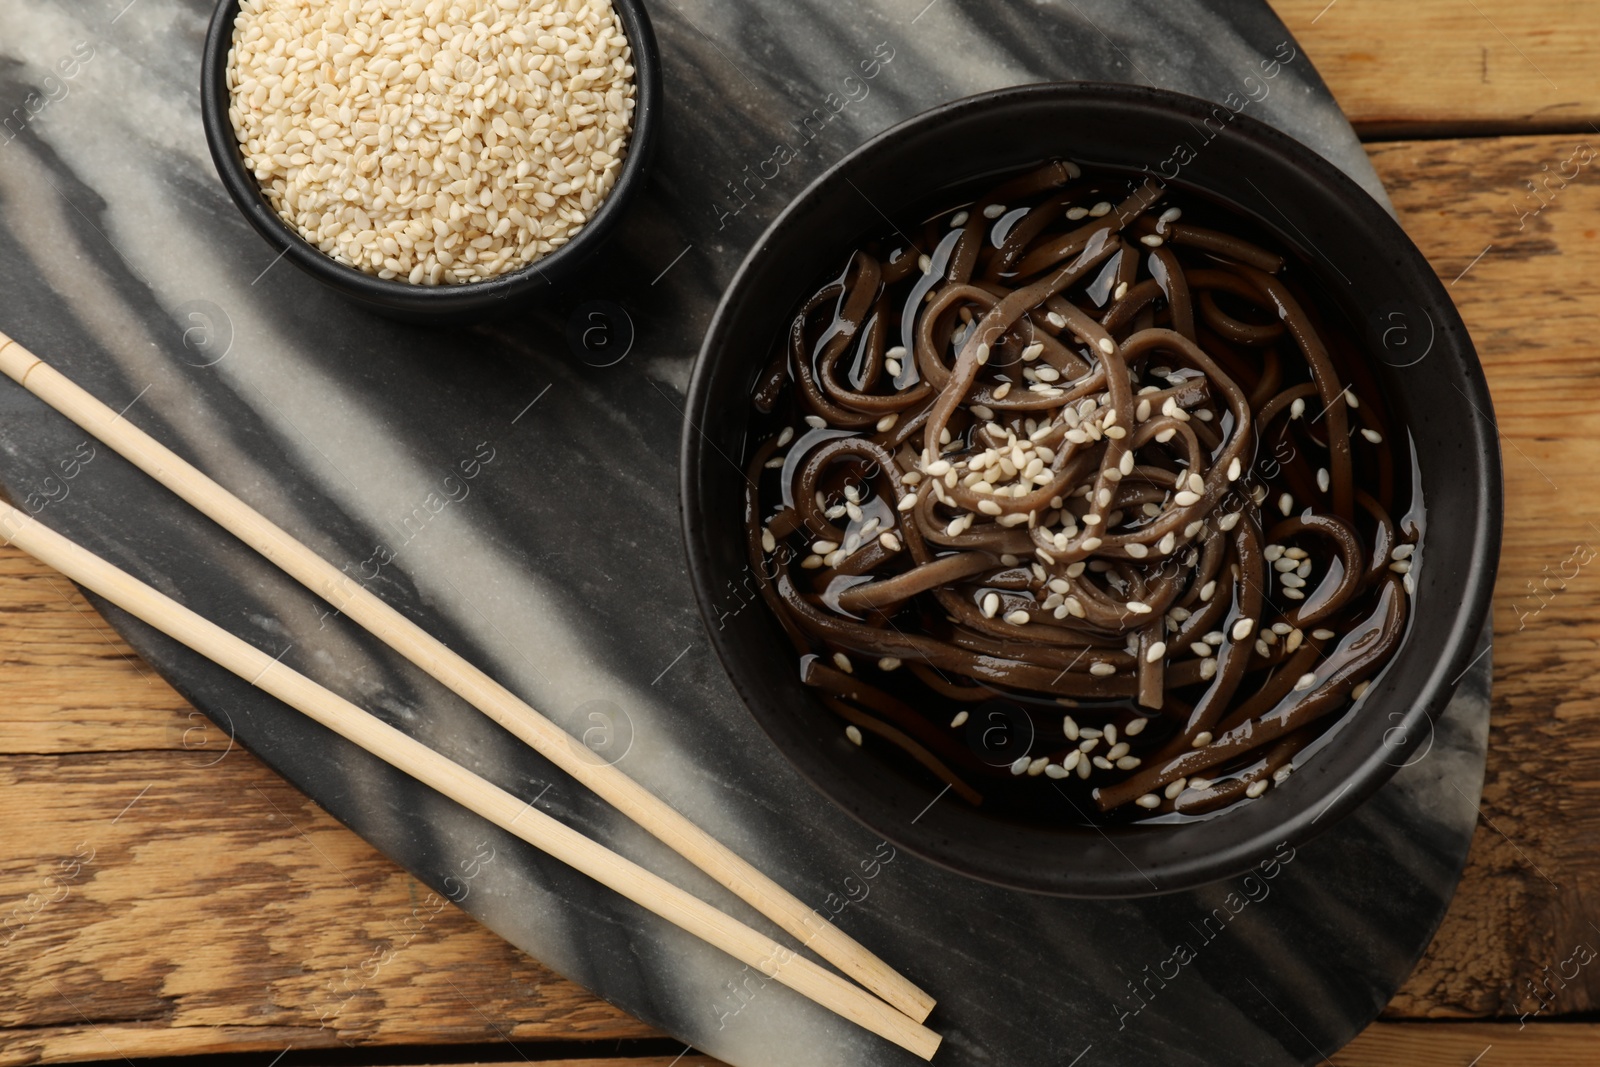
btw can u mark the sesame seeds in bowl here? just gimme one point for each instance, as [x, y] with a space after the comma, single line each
[434, 158]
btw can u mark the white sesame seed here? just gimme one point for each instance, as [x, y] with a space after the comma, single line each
[1073, 759]
[842, 661]
[1018, 618]
[786, 436]
[1069, 727]
[1171, 215]
[1102, 208]
[1103, 763]
[1037, 767]
[1139, 607]
[811, 562]
[1185, 498]
[816, 422]
[1200, 784]
[886, 423]
[960, 719]
[822, 548]
[1055, 770]
[982, 354]
[1403, 552]
[1201, 739]
[1138, 551]
[1084, 768]
[959, 219]
[1128, 763]
[1242, 628]
[1372, 435]
[1262, 649]
[1294, 594]
[1285, 503]
[1228, 521]
[1155, 652]
[1208, 668]
[1102, 670]
[1089, 544]
[853, 733]
[1234, 471]
[1075, 213]
[1136, 727]
[924, 264]
[1208, 590]
[1055, 319]
[1297, 408]
[1360, 690]
[1120, 291]
[1409, 584]
[991, 605]
[768, 542]
[1304, 682]
[939, 467]
[1256, 788]
[1322, 479]
[1149, 800]
[1020, 765]
[889, 541]
[1350, 397]
[1151, 240]
[907, 502]
[1174, 788]
[994, 211]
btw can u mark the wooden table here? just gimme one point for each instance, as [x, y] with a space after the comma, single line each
[167, 895]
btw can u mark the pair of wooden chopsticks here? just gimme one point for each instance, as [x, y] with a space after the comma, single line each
[888, 1005]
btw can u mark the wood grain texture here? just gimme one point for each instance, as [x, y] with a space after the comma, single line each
[161, 903]
[224, 911]
[1472, 1045]
[1532, 304]
[1453, 66]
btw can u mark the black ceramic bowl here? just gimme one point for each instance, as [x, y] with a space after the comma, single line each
[444, 303]
[1355, 252]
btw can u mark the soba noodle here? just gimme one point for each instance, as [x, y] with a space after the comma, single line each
[1072, 459]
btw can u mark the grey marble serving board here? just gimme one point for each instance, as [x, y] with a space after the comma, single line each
[514, 491]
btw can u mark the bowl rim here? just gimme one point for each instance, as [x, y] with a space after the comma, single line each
[1428, 697]
[247, 194]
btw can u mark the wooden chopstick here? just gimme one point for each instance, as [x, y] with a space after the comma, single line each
[648, 890]
[466, 680]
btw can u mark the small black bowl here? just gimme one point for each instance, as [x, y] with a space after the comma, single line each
[1355, 252]
[441, 304]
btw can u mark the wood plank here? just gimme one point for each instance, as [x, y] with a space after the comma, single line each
[1482, 65]
[1472, 1045]
[1532, 304]
[159, 905]
[223, 912]
[70, 683]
